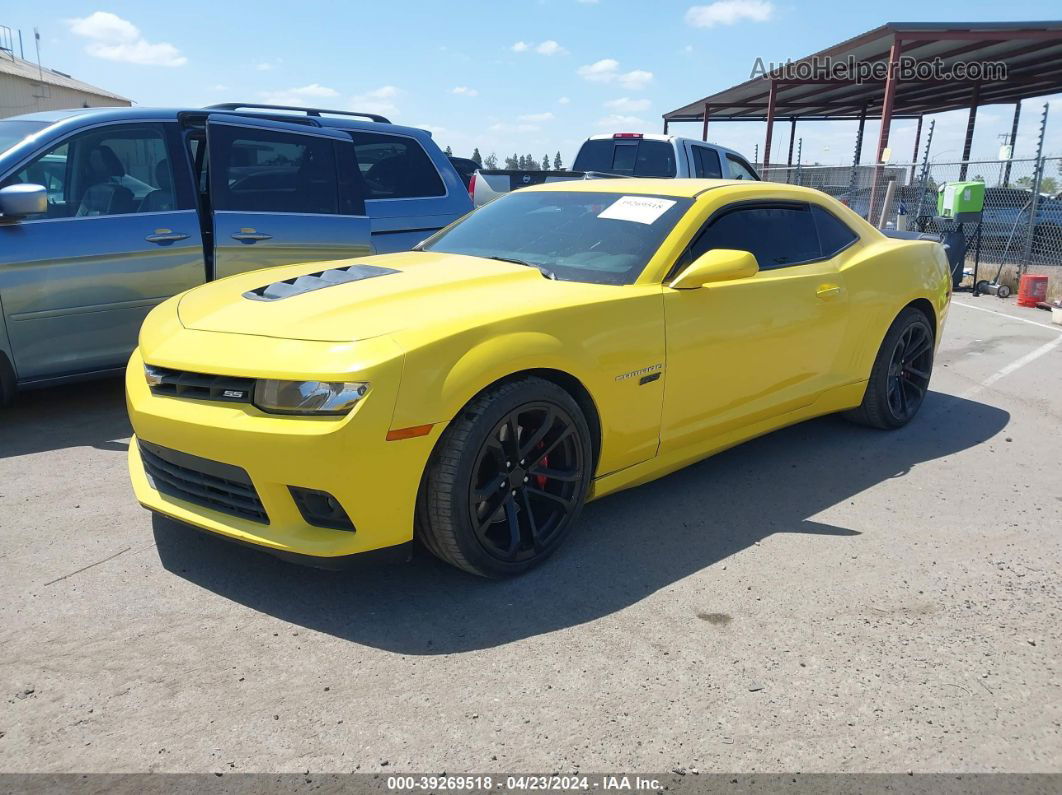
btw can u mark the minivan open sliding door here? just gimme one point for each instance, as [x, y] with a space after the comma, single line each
[282, 193]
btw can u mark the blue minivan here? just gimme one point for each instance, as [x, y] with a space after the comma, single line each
[105, 212]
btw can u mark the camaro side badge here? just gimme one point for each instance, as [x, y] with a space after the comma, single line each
[645, 375]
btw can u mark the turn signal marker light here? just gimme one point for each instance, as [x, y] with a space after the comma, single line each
[409, 433]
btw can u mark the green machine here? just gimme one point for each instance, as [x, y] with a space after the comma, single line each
[961, 201]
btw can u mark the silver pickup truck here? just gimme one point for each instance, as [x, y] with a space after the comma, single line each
[623, 155]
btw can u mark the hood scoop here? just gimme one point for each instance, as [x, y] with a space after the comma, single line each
[309, 282]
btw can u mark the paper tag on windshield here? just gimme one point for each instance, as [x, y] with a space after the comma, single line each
[640, 209]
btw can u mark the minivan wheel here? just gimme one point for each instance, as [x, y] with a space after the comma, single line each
[900, 377]
[7, 382]
[507, 480]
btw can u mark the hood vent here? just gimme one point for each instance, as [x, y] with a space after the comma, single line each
[316, 281]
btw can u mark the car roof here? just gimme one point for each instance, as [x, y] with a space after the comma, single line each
[678, 188]
[143, 112]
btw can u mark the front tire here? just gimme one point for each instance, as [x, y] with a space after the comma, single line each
[900, 377]
[507, 480]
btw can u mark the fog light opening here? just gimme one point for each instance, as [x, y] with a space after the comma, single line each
[321, 509]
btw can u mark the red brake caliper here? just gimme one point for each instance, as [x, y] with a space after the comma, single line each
[541, 479]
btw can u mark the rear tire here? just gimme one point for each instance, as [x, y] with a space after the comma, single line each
[900, 376]
[507, 480]
[7, 382]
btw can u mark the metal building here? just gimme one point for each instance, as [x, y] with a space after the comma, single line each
[26, 87]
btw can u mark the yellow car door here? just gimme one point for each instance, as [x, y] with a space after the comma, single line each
[743, 351]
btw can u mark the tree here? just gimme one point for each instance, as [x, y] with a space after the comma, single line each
[521, 162]
[510, 162]
[449, 152]
[1048, 185]
[476, 157]
[531, 163]
[491, 161]
[545, 162]
[557, 164]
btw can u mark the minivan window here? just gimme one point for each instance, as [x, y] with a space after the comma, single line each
[395, 167]
[114, 170]
[778, 236]
[12, 132]
[270, 171]
[632, 157]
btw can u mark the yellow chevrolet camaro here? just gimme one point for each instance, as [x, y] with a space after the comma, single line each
[557, 345]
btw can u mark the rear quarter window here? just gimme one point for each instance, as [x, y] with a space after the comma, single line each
[395, 167]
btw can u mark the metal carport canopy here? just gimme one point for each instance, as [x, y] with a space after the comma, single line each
[1030, 51]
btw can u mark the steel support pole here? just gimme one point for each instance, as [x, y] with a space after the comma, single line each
[792, 140]
[704, 128]
[771, 99]
[1013, 140]
[891, 79]
[665, 126]
[970, 121]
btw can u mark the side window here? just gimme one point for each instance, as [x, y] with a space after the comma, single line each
[116, 170]
[270, 171]
[739, 169]
[834, 235]
[395, 167]
[777, 236]
[706, 162]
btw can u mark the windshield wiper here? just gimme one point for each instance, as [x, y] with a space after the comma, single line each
[541, 268]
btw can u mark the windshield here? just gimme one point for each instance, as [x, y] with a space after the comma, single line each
[601, 238]
[631, 157]
[11, 132]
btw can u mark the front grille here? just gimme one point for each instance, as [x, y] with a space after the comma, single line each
[221, 487]
[199, 386]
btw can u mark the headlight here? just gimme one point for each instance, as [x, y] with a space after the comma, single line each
[308, 397]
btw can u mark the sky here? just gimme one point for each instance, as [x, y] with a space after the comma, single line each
[537, 76]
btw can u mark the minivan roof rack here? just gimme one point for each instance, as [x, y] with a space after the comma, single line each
[307, 111]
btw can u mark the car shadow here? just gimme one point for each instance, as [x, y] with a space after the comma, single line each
[624, 547]
[78, 414]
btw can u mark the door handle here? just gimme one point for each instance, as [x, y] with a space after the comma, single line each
[828, 291]
[250, 236]
[165, 236]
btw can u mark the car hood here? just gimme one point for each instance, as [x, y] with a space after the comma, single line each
[356, 299]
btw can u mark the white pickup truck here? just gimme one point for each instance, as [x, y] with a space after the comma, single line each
[623, 155]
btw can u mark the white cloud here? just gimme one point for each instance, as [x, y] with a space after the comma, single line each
[117, 39]
[379, 100]
[264, 66]
[550, 47]
[536, 117]
[563, 101]
[303, 95]
[464, 91]
[617, 122]
[607, 71]
[603, 71]
[627, 105]
[547, 47]
[729, 12]
[635, 80]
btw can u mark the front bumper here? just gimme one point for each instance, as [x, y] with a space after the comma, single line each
[374, 480]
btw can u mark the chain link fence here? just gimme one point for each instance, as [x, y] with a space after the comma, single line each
[1021, 227]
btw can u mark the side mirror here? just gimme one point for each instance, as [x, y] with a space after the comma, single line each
[717, 265]
[23, 199]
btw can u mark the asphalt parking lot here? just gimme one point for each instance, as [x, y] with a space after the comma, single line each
[825, 598]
